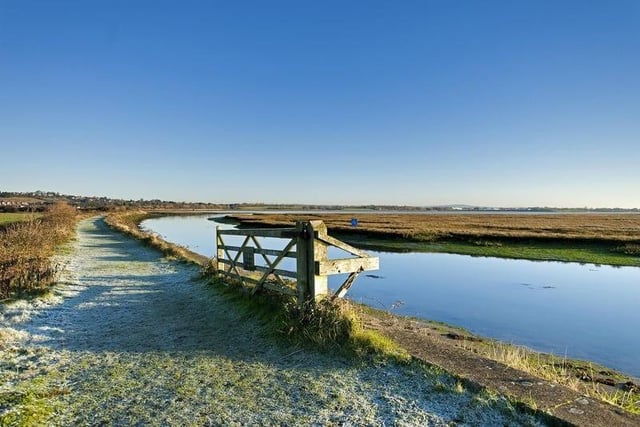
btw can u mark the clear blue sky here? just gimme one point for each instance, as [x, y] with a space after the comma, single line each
[505, 103]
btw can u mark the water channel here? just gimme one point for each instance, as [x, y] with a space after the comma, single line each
[583, 311]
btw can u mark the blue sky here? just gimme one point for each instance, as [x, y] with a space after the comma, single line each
[390, 102]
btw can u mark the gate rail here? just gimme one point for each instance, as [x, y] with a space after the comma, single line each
[311, 242]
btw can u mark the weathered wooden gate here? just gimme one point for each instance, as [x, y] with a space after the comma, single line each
[307, 243]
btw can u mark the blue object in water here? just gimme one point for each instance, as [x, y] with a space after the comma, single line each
[354, 222]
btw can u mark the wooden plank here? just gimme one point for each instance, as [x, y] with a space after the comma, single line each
[271, 265]
[342, 290]
[302, 246]
[238, 278]
[272, 252]
[320, 284]
[274, 264]
[346, 265]
[278, 288]
[260, 268]
[285, 273]
[342, 245]
[219, 243]
[262, 232]
[219, 251]
[234, 261]
[244, 244]
[275, 252]
[248, 258]
[269, 285]
[230, 248]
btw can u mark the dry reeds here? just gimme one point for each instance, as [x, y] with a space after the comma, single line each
[562, 372]
[26, 248]
[623, 228]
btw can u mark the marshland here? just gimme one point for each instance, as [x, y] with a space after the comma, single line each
[612, 239]
[475, 163]
[108, 278]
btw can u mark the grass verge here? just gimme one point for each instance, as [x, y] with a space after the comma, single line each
[580, 376]
[330, 326]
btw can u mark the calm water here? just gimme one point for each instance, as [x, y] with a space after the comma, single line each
[580, 310]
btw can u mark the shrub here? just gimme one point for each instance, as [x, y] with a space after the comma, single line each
[26, 249]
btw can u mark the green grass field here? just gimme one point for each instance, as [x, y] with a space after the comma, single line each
[592, 253]
[7, 218]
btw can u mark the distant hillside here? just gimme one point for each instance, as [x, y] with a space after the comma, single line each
[39, 200]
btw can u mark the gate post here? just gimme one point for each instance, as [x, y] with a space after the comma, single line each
[302, 244]
[320, 286]
[219, 252]
[310, 250]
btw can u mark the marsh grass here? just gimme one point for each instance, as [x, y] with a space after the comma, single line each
[628, 400]
[563, 371]
[27, 247]
[591, 238]
[480, 228]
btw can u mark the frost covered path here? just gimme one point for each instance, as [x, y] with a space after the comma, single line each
[129, 337]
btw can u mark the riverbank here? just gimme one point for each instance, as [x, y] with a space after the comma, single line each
[577, 375]
[586, 238]
[132, 337]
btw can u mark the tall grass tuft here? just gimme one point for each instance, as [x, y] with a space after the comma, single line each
[337, 325]
[327, 324]
[26, 249]
[560, 371]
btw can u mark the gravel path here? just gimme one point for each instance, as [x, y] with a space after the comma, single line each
[131, 338]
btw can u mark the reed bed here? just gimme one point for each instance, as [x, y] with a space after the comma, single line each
[611, 228]
[581, 378]
[27, 247]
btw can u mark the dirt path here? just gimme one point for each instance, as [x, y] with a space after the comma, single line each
[131, 338]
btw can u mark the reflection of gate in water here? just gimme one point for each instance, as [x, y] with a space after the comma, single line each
[307, 244]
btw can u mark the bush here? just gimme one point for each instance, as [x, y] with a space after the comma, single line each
[326, 323]
[26, 249]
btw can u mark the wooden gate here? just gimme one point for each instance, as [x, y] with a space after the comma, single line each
[307, 243]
